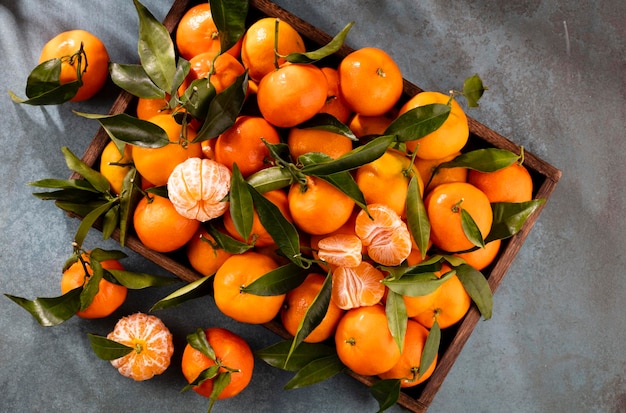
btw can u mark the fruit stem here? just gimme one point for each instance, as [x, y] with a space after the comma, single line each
[276, 55]
[456, 208]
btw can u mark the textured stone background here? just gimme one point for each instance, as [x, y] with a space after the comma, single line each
[557, 85]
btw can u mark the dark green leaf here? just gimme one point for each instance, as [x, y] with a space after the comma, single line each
[417, 284]
[329, 123]
[92, 286]
[108, 349]
[50, 183]
[126, 128]
[386, 392]
[477, 287]
[182, 70]
[80, 208]
[316, 371]
[44, 78]
[268, 179]
[332, 47]
[71, 195]
[355, 158]
[99, 254]
[95, 178]
[88, 221]
[417, 217]
[396, 317]
[129, 196]
[241, 206]
[471, 230]
[276, 354]
[280, 229]
[473, 90]
[138, 280]
[158, 191]
[51, 311]
[219, 384]
[199, 288]
[224, 109]
[198, 97]
[277, 282]
[230, 19]
[206, 374]
[344, 182]
[199, 341]
[483, 160]
[135, 80]
[418, 122]
[155, 48]
[226, 242]
[110, 221]
[509, 217]
[431, 348]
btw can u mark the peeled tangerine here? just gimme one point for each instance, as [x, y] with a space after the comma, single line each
[197, 188]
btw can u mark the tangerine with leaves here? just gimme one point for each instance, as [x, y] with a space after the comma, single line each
[259, 237]
[197, 33]
[115, 165]
[197, 188]
[385, 235]
[509, 184]
[449, 138]
[258, 52]
[238, 272]
[370, 81]
[92, 63]
[298, 301]
[232, 355]
[302, 141]
[203, 253]
[152, 345]
[407, 369]
[318, 207]
[357, 286]
[364, 343]
[292, 94]
[160, 227]
[243, 144]
[445, 205]
[110, 296]
[156, 164]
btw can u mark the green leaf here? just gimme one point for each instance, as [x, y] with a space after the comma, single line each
[268, 179]
[278, 281]
[241, 206]
[276, 354]
[199, 288]
[418, 122]
[206, 374]
[280, 229]
[477, 287]
[199, 341]
[226, 242]
[395, 309]
[316, 371]
[482, 160]
[473, 90]
[353, 159]
[99, 254]
[329, 123]
[229, 17]
[95, 178]
[44, 88]
[155, 48]
[224, 109]
[344, 182]
[417, 217]
[332, 47]
[80, 208]
[79, 184]
[107, 349]
[509, 217]
[90, 219]
[431, 348]
[129, 197]
[110, 221]
[418, 283]
[135, 80]
[126, 128]
[219, 384]
[51, 311]
[198, 97]
[386, 392]
[138, 280]
[471, 230]
[91, 288]
[182, 70]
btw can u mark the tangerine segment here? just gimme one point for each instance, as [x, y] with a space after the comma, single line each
[109, 297]
[197, 188]
[510, 184]
[364, 343]
[370, 81]
[292, 94]
[385, 235]
[407, 368]
[443, 206]
[152, 345]
[237, 272]
[343, 250]
[357, 286]
[232, 352]
[297, 303]
[449, 138]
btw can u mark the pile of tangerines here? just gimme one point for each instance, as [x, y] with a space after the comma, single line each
[321, 198]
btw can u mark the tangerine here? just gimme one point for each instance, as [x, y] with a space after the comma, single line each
[302, 141]
[481, 258]
[203, 254]
[510, 184]
[357, 286]
[221, 70]
[431, 176]
[115, 165]
[335, 103]
[363, 126]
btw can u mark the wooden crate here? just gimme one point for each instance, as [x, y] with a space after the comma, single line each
[544, 175]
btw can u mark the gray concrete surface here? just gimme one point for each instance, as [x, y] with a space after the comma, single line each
[557, 85]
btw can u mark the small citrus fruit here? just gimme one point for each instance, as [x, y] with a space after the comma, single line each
[302, 141]
[510, 184]
[357, 286]
[343, 250]
[203, 254]
[335, 103]
[115, 165]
